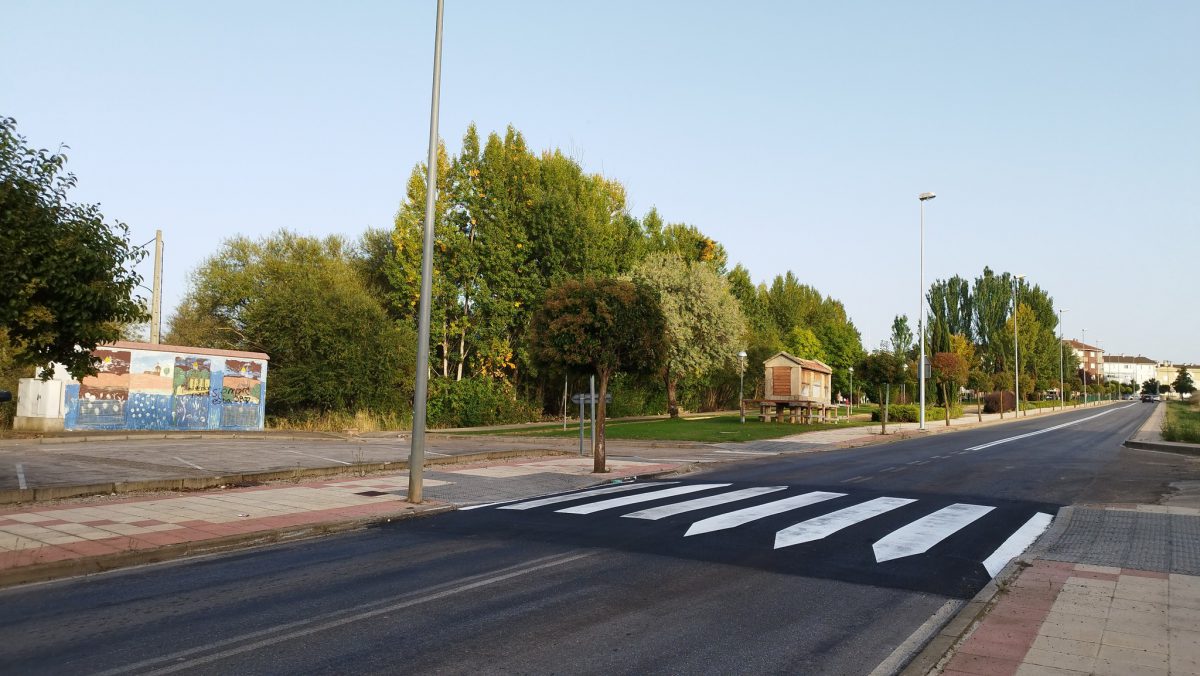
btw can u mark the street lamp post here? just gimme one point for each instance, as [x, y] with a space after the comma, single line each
[923, 197]
[742, 384]
[851, 390]
[416, 453]
[1016, 355]
[1085, 373]
[1062, 401]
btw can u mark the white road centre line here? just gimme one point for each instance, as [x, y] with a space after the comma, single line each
[655, 513]
[743, 516]
[827, 524]
[21, 477]
[319, 457]
[1016, 543]
[997, 442]
[613, 503]
[852, 479]
[190, 464]
[921, 535]
[555, 499]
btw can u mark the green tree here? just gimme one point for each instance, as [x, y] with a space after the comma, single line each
[703, 321]
[1151, 386]
[301, 300]
[601, 326]
[950, 372]
[877, 372]
[1183, 382]
[67, 274]
[802, 342]
[902, 337]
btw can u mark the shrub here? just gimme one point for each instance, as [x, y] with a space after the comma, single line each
[991, 402]
[910, 413]
[476, 402]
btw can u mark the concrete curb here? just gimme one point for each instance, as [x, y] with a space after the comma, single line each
[12, 496]
[1164, 446]
[89, 565]
[942, 646]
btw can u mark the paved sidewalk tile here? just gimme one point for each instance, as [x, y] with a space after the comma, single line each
[1071, 619]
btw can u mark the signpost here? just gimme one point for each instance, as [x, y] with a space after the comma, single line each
[584, 398]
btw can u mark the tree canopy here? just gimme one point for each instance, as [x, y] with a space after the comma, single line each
[67, 273]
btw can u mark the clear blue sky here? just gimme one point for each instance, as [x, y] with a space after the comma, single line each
[1063, 139]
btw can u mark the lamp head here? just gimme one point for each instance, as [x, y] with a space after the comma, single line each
[742, 354]
[926, 196]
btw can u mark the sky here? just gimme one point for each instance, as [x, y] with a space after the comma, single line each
[1062, 139]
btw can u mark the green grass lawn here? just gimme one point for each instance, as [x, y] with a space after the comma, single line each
[1182, 422]
[708, 429]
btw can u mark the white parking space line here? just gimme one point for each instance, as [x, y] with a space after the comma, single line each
[190, 464]
[921, 535]
[613, 503]
[656, 513]
[1016, 543]
[555, 499]
[743, 516]
[21, 477]
[827, 524]
[1048, 429]
[319, 457]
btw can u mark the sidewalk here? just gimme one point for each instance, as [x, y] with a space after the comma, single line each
[96, 534]
[1114, 591]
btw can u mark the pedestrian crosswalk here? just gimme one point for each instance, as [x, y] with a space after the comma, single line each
[921, 524]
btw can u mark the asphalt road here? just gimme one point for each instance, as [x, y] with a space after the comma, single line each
[581, 585]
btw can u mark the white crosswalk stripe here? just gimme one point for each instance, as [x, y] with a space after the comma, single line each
[921, 535]
[700, 503]
[613, 503]
[1017, 542]
[913, 538]
[743, 516]
[828, 524]
[553, 500]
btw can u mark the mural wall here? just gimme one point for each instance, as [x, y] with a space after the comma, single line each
[154, 389]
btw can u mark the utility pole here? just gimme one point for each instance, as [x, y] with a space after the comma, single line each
[416, 453]
[156, 299]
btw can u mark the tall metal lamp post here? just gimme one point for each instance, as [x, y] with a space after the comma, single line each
[1016, 356]
[416, 453]
[1062, 400]
[923, 197]
[851, 390]
[742, 384]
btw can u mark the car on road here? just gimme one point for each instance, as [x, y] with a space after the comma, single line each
[1148, 397]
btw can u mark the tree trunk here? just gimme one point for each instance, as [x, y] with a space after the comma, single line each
[672, 404]
[979, 405]
[946, 399]
[883, 409]
[598, 453]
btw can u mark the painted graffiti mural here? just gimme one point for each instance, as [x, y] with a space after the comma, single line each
[103, 397]
[159, 390]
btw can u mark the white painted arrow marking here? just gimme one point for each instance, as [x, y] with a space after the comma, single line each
[553, 500]
[1016, 543]
[640, 497]
[921, 535]
[828, 524]
[741, 516]
[655, 513]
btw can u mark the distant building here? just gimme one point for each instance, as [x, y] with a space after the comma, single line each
[1166, 372]
[1124, 368]
[1091, 359]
